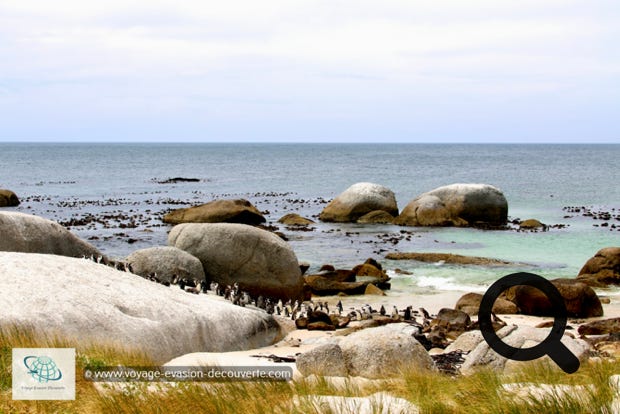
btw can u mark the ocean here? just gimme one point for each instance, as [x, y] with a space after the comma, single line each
[112, 195]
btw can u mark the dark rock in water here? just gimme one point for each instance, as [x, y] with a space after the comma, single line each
[294, 219]
[374, 263]
[323, 287]
[179, 180]
[531, 224]
[376, 217]
[358, 200]
[605, 326]
[581, 301]
[340, 275]
[327, 268]
[321, 326]
[218, 211]
[447, 258]
[8, 199]
[303, 267]
[456, 205]
[603, 269]
[368, 270]
[470, 304]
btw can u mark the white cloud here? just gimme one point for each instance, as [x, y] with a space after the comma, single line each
[307, 58]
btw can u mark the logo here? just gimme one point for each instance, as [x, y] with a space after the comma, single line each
[42, 368]
[43, 373]
[551, 346]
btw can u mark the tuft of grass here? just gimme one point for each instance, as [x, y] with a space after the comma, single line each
[432, 392]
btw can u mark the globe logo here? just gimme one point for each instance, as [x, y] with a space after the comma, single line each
[42, 368]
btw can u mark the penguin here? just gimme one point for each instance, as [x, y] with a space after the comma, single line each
[407, 316]
[395, 314]
[339, 307]
[382, 310]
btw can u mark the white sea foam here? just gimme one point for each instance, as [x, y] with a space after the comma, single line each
[446, 283]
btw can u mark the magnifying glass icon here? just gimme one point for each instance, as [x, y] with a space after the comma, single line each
[551, 345]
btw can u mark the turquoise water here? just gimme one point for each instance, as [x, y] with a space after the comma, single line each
[64, 181]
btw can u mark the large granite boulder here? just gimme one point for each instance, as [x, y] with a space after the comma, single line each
[580, 299]
[358, 200]
[294, 219]
[456, 205]
[324, 360]
[603, 269]
[384, 352]
[86, 302]
[21, 232]
[218, 211]
[8, 198]
[166, 262]
[261, 262]
[482, 356]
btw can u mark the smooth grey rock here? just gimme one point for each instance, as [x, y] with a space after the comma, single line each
[383, 352]
[517, 337]
[358, 200]
[31, 234]
[86, 302]
[261, 262]
[324, 360]
[166, 262]
[456, 205]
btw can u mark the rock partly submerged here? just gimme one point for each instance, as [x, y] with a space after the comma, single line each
[218, 211]
[31, 234]
[8, 198]
[261, 262]
[166, 262]
[448, 258]
[359, 200]
[294, 219]
[456, 205]
[87, 303]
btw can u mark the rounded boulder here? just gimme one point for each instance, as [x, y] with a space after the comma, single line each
[8, 198]
[603, 269]
[456, 205]
[359, 200]
[218, 211]
[31, 234]
[384, 352]
[166, 262]
[261, 262]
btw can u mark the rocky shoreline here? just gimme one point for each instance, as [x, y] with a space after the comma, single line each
[225, 284]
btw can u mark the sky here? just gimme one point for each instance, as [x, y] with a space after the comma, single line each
[310, 71]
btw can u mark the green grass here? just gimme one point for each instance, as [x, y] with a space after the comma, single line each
[432, 392]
